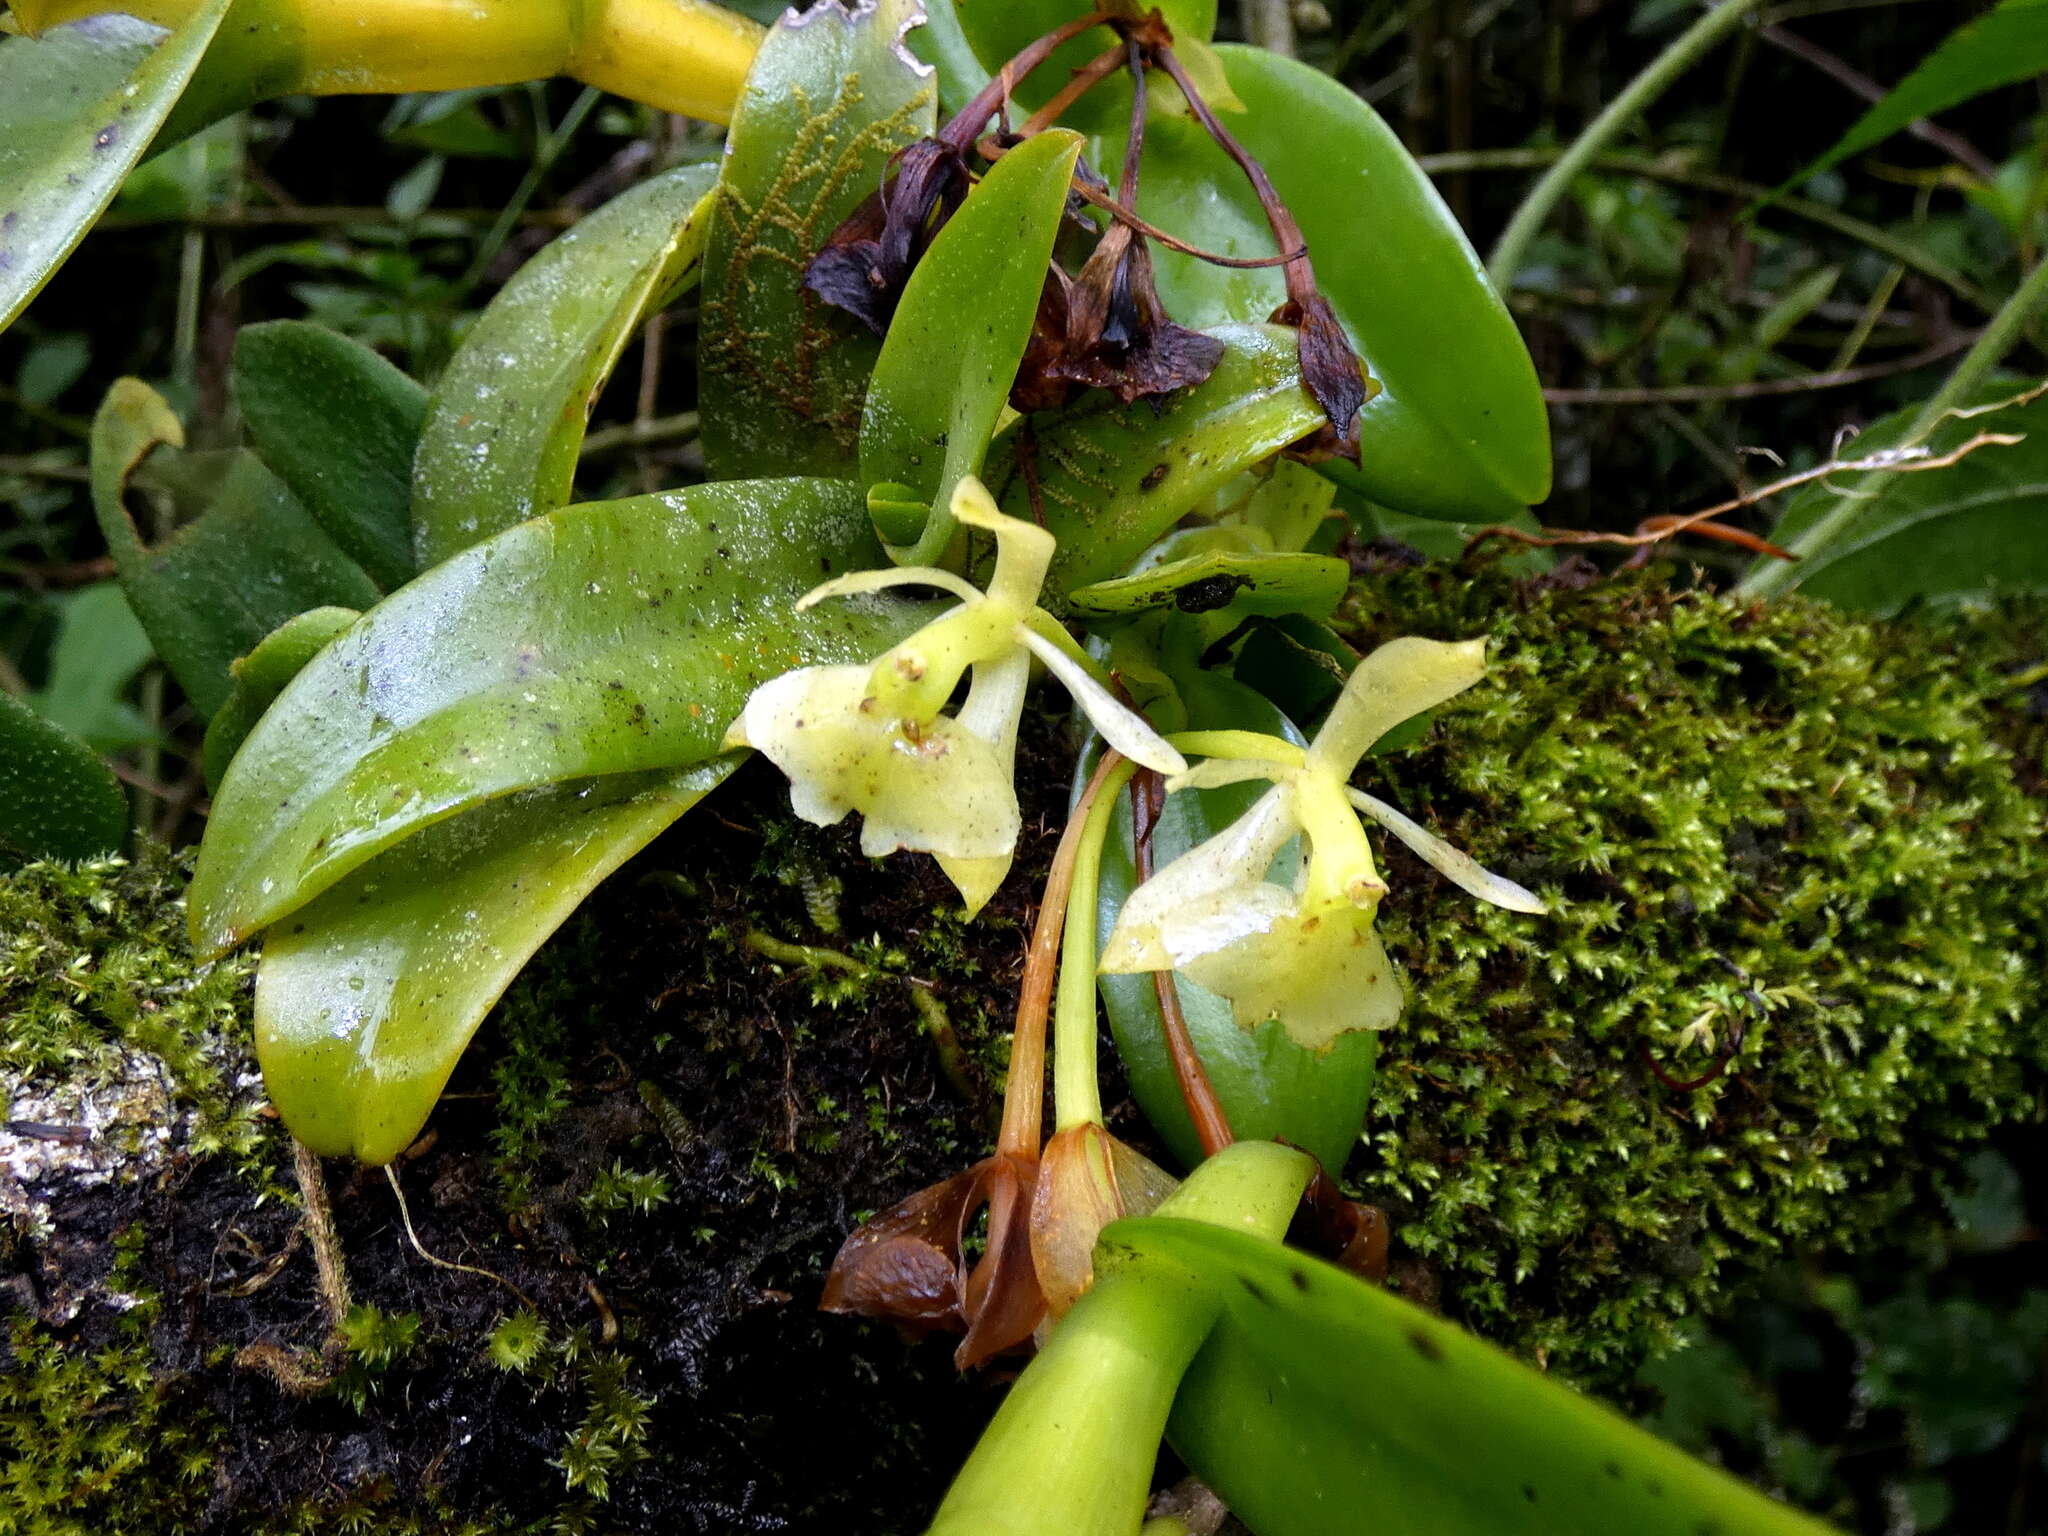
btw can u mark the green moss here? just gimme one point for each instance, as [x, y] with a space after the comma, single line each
[95, 971]
[1778, 826]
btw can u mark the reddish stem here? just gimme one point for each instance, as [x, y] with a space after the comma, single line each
[1212, 1125]
[1024, 1094]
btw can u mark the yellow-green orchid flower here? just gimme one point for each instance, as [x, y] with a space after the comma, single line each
[873, 738]
[1306, 955]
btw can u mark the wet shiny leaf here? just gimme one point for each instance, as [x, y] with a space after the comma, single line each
[1459, 427]
[78, 106]
[613, 637]
[505, 421]
[367, 996]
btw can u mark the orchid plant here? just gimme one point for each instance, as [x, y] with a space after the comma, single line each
[1094, 354]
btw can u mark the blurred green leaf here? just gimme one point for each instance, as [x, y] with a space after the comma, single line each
[2007, 45]
[57, 799]
[505, 422]
[338, 425]
[78, 106]
[612, 637]
[52, 365]
[1318, 1396]
[367, 997]
[213, 588]
[99, 649]
[1955, 534]
[941, 382]
[831, 97]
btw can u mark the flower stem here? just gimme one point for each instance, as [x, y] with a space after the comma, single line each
[1076, 1089]
[1024, 1093]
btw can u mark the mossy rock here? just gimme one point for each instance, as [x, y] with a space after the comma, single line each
[1827, 831]
[1794, 966]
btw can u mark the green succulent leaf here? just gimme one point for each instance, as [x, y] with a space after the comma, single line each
[78, 106]
[216, 585]
[57, 799]
[1969, 530]
[1319, 1396]
[1248, 582]
[945, 372]
[1459, 427]
[338, 425]
[998, 29]
[2007, 45]
[505, 422]
[613, 637]
[261, 676]
[1111, 478]
[831, 97]
[1271, 1089]
[367, 995]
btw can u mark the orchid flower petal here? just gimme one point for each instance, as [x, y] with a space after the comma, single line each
[1120, 727]
[944, 791]
[1459, 868]
[1167, 918]
[1216, 772]
[1321, 974]
[858, 583]
[1396, 682]
[1024, 550]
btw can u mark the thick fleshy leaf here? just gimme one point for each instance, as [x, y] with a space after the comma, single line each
[57, 799]
[1270, 1087]
[338, 425]
[212, 589]
[1459, 429]
[261, 676]
[831, 97]
[614, 637]
[78, 106]
[505, 421]
[1967, 531]
[2003, 47]
[1247, 582]
[367, 996]
[941, 44]
[946, 367]
[1319, 1395]
[998, 30]
[1111, 478]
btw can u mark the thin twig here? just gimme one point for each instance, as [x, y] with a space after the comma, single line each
[680, 428]
[1890, 460]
